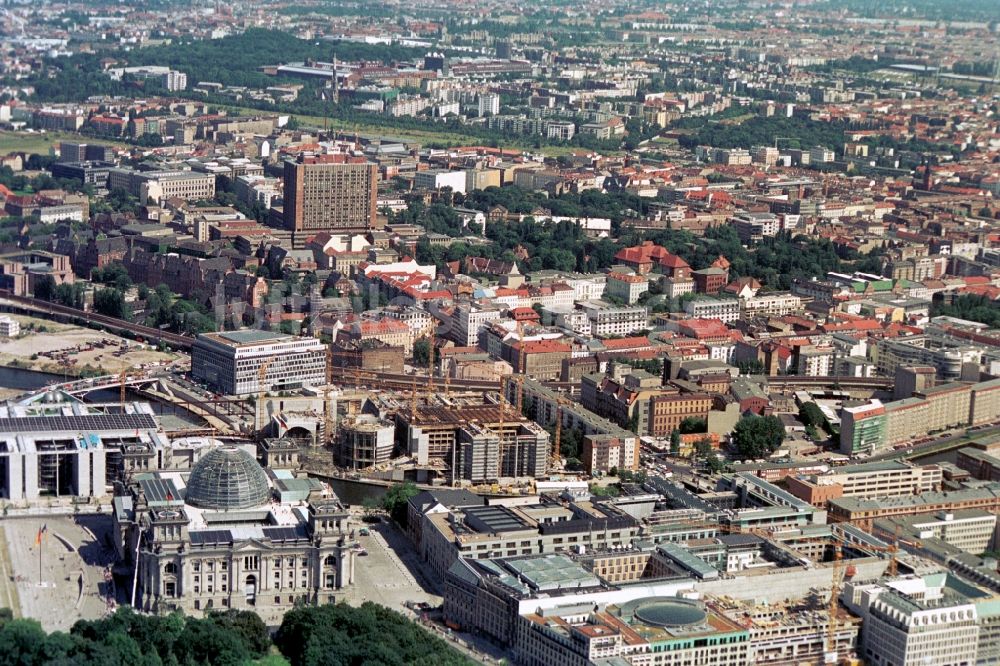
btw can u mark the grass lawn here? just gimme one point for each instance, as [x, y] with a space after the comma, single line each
[41, 144]
[447, 138]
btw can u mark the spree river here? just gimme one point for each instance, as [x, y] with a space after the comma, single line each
[20, 379]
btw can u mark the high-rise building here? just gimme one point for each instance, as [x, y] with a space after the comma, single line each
[330, 193]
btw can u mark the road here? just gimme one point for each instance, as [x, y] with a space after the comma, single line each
[72, 585]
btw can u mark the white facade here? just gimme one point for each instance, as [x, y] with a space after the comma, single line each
[902, 632]
[725, 310]
[436, 179]
[9, 327]
[232, 362]
[467, 321]
[777, 305]
[606, 319]
[488, 103]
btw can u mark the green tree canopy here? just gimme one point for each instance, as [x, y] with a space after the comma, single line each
[371, 634]
[758, 436]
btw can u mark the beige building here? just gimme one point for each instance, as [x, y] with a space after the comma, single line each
[891, 478]
[906, 420]
[947, 405]
[985, 403]
[192, 186]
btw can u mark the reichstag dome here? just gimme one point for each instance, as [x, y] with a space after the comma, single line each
[227, 479]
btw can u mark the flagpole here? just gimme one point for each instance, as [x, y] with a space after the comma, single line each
[40, 535]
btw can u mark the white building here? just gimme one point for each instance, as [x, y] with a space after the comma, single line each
[820, 155]
[726, 310]
[777, 305]
[468, 319]
[53, 445]
[560, 130]
[913, 624]
[606, 319]
[436, 179]
[815, 361]
[488, 103]
[9, 327]
[626, 287]
[232, 361]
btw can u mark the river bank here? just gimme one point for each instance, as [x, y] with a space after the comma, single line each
[71, 351]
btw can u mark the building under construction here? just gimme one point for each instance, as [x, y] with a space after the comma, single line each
[477, 443]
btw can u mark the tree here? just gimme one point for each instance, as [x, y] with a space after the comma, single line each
[812, 416]
[421, 352]
[369, 634]
[395, 500]
[751, 366]
[45, 288]
[111, 302]
[675, 442]
[693, 424]
[758, 436]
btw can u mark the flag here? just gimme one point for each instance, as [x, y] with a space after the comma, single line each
[42, 530]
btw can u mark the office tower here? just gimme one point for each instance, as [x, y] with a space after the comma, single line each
[330, 192]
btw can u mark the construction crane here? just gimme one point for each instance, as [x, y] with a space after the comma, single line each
[519, 377]
[124, 379]
[833, 623]
[893, 549]
[261, 390]
[430, 364]
[327, 413]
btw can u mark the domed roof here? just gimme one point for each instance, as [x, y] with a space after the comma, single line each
[227, 478]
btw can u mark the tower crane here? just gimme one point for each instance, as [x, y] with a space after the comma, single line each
[261, 389]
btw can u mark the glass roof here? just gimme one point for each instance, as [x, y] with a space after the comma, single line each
[227, 478]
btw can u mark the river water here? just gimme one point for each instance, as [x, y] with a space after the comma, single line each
[31, 380]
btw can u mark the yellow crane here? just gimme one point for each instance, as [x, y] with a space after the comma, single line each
[833, 613]
[430, 364]
[124, 379]
[519, 374]
[262, 390]
[327, 412]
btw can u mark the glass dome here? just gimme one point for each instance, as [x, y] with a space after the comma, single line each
[227, 478]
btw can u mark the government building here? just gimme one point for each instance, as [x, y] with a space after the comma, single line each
[231, 362]
[232, 534]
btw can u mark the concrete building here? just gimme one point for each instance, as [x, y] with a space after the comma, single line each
[9, 327]
[477, 443]
[946, 355]
[863, 512]
[726, 310]
[468, 320]
[755, 227]
[364, 441]
[970, 530]
[488, 532]
[916, 627]
[626, 287]
[607, 319]
[891, 478]
[57, 446]
[231, 361]
[603, 453]
[863, 428]
[330, 193]
[437, 179]
[770, 305]
[232, 535]
[985, 403]
[191, 186]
